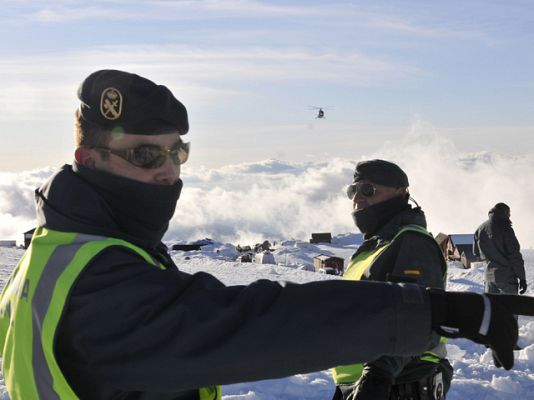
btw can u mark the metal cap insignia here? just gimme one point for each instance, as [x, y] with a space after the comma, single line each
[111, 103]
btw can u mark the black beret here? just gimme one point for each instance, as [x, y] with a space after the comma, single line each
[120, 100]
[500, 208]
[381, 172]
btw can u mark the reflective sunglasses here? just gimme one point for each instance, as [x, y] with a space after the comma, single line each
[150, 156]
[365, 189]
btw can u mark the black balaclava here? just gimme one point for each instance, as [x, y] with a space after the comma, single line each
[140, 210]
[370, 219]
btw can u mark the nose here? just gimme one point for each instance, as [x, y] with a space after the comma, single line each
[359, 200]
[168, 173]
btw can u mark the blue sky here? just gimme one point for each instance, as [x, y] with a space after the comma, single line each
[249, 70]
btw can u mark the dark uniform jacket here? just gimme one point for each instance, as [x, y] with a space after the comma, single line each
[495, 242]
[411, 251]
[133, 331]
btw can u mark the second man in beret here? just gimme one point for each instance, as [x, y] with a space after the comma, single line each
[397, 248]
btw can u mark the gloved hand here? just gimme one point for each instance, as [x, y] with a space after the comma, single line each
[522, 286]
[374, 384]
[487, 319]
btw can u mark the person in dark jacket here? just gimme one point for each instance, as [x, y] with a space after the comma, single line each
[496, 243]
[397, 248]
[97, 309]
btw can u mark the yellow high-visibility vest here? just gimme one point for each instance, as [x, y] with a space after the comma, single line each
[31, 306]
[357, 268]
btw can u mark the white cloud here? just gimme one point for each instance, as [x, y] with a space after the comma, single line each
[215, 64]
[380, 18]
[17, 211]
[455, 189]
[69, 11]
[407, 27]
[279, 200]
[266, 199]
[54, 15]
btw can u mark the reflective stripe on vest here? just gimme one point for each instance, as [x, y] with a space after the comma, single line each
[437, 353]
[361, 264]
[31, 306]
[210, 393]
[358, 267]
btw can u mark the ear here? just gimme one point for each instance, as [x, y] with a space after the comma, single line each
[85, 157]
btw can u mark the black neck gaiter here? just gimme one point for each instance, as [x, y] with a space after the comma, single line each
[142, 211]
[370, 219]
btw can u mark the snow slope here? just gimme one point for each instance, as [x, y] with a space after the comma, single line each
[475, 375]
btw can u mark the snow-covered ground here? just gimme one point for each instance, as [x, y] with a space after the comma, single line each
[475, 376]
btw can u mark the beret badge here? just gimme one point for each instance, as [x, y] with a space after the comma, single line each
[111, 103]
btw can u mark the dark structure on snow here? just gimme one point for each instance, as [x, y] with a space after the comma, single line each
[328, 264]
[186, 247]
[457, 247]
[321, 238]
[245, 258]
[191, 246]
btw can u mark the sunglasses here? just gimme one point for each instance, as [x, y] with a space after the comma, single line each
[150, 156]
[365, 189]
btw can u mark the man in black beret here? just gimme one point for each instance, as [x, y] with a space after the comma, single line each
[397, 248]
[496, 243]
[96, 308]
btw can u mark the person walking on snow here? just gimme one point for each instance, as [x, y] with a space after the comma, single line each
[496, 243]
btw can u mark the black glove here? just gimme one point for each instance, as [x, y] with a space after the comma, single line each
[522, 286]
[487, 319]
[374, 384]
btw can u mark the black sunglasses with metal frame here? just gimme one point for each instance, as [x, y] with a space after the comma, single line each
[150, 156]
[365, 188]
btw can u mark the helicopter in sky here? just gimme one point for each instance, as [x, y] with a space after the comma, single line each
[320, 111]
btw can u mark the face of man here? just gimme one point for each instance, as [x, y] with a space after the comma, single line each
[381, 193]
[166, 174]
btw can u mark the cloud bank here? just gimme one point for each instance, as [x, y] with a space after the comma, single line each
[249, 202]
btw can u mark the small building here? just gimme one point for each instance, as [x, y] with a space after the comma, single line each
[457, 247]
[449, 250]
[328, 264]
[464, 243]
[245, 258]
[28, 237]
[265, 257]
[8, 243]
[321, 238]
